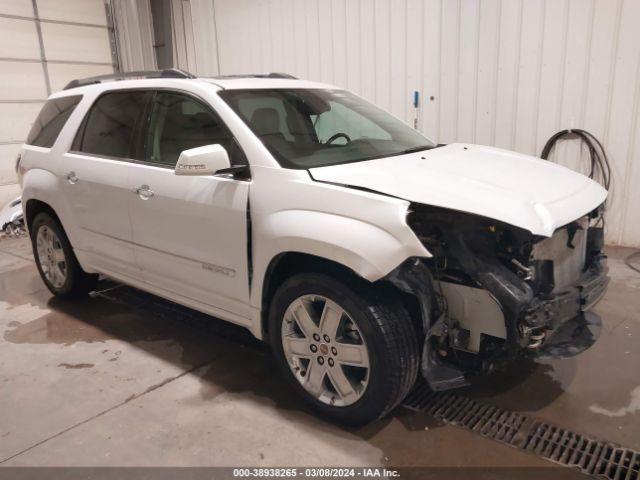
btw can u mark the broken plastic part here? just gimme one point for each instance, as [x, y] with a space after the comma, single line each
[572, 337]
[414, 277]
[440, 375]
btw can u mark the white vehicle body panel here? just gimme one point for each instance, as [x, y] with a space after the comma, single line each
[363, 231]
[517, 189]
[190, 237]
[98, 202]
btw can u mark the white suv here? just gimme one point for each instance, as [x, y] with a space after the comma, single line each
[361, 250]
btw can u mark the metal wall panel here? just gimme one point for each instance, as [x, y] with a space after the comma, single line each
[19, 39]
[76, 43]
[22, 8]
[61, 73]
[21, 81]
[43, 45]
[134, 32]
[83, 11]
[182, 35]
[16, 120]
[203, 16]
[508, 73]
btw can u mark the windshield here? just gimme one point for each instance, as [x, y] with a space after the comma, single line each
[306, 128]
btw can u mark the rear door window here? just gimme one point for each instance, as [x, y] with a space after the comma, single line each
[52, 118]
[110, 126]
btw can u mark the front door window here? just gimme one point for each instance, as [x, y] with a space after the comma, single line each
[179, 123]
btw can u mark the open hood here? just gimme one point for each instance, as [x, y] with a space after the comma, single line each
[517, 189]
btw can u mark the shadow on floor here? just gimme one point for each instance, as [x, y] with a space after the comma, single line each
[228, 359]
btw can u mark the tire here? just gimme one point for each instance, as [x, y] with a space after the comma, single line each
[68, 279]
[384, 331]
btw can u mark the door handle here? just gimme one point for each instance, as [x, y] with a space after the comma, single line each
[144, 192]
[72, 178]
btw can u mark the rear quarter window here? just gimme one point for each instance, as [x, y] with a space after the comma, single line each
[52, 118]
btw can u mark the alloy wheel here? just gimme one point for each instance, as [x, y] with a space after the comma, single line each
[51, 256]
[325, 350]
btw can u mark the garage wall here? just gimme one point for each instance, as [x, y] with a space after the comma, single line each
[134, 34]
[43, 45]
[508, 73]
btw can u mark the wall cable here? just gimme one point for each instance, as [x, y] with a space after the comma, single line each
[600, 168]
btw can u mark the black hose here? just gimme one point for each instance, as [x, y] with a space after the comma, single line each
[599, 163]
[599, 160]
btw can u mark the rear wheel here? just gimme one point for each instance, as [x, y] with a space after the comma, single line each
[56, 262]
[351, 353]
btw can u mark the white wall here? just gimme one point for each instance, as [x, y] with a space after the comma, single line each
[501, 72]
[134, 34]
[43, 45]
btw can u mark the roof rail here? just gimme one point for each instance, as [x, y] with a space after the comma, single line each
[258, 75]
[167, 73]
[281, 75]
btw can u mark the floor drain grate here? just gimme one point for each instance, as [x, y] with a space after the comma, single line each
[591, 456]
[489, 421]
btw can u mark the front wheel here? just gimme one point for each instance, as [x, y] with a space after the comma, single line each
[351, 353]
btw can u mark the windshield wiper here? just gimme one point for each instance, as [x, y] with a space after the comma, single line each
[417, 149]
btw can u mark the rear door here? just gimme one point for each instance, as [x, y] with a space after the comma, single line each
[97, 181]
[190, 232]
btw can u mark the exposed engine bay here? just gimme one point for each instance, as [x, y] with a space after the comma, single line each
[493, 291]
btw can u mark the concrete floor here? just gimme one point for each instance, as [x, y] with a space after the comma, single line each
[111, 382]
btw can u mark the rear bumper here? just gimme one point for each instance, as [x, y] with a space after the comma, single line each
[561, 325]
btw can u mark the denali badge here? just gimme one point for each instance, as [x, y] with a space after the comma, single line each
[217, 269]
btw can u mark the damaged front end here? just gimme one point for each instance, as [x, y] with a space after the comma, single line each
[492, 291]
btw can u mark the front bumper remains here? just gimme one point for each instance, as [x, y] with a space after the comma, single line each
[571, 338]
[536, 292]
[562, 326]
[554, 325]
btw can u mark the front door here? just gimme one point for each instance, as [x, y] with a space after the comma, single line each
[96, 182]
[189, 232]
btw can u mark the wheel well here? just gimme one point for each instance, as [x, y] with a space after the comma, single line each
[287, 264]
[34, 207]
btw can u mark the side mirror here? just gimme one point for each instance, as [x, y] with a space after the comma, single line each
[206, 160]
